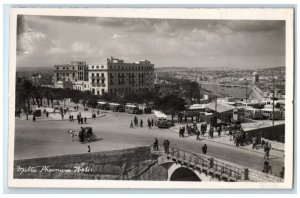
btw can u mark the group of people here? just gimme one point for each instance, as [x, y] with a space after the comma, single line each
[136, 123]
[76, 108]
[80, 119]
[166, 144]
[240, 138]
[203, 129]
[267, 148]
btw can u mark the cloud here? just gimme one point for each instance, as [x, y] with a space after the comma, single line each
[166, 42]
[27, 41]
[116, 36]
[80, 46]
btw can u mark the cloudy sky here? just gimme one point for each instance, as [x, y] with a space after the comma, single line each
[47, 40]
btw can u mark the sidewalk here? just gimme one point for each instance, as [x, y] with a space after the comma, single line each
[225, 139]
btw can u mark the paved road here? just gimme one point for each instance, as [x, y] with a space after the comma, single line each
[49, 138]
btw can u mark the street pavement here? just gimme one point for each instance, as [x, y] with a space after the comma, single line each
[50, 138]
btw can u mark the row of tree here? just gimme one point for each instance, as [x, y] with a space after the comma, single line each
[170, 103]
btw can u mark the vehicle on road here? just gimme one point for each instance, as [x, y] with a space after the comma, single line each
[161, 120]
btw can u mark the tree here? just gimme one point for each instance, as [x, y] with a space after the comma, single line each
[170, 104]
[192, 91]
[23, 95]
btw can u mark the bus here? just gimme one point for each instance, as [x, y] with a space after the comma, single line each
[197, 107]
[103, 105]
[253, 113]
[114, 107]
[269, 114]
[161, 119]
[130, 108]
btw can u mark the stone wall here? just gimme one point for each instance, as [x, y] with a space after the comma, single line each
[128, 164]
[276, 132]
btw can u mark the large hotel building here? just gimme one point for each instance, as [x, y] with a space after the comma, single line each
[115, 76]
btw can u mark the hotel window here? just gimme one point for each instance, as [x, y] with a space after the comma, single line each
[97, 74]
[92, 67]
[57, 67]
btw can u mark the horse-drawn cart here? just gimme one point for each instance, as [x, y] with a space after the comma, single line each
[85, 134]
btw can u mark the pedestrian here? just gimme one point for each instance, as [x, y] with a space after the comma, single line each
[72, 118]
[204, 149]
[78, 119]
[81, 120]
[74, 108]
[168, 146]
[152, 122]
[47, 114]
[33, 118]
[69, 118]
[77, 107]
[84, 120]
[141, 123]
[198, 134]
[165, 145]
[88, 149]
[131, 124]
[211, 132]
[149, 123]
[72, 134]
[219, 131]
[253, 142]
[155, 144]
[62, 116]
[267, 152]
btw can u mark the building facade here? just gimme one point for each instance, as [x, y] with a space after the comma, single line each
[114, 76]
[129, 77]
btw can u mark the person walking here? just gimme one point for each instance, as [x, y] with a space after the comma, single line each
[141, 123]
[198, 134]
[149, 123]
[72, 135]
[131, 124]
[253, 142]
[219, 131]
[165, 146]
[168, 146]
[88, 149]
[84, 120]
[204, 149]
[152, 122]
[211, 132]
[47, 114]
[155, 144]
[267, 152]
[33, 118]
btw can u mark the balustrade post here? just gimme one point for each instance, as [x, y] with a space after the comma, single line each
[211, 162]
[245, 175]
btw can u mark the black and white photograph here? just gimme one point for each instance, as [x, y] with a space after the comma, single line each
[155, 98]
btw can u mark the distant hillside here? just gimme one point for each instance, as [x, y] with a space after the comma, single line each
[34, 69]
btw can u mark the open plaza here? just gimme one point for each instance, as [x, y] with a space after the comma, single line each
[49, 137]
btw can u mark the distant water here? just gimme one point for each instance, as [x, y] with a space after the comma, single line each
[237, 92]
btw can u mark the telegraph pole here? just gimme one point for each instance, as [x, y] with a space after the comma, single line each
[246, 91]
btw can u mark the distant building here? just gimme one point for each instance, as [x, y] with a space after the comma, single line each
[255, 78]
[114, 76]
[36, 79]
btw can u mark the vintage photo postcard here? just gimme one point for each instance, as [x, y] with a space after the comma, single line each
[151, 98]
